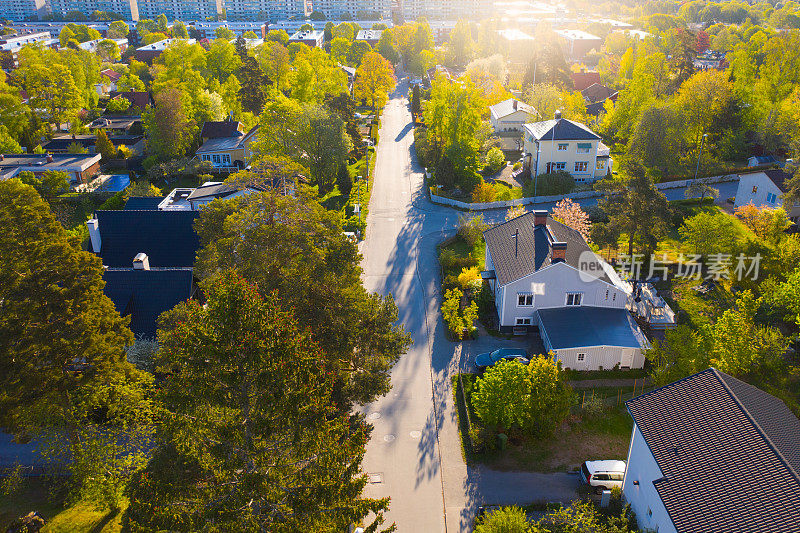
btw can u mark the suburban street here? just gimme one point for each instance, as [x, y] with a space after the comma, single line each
[414, 455]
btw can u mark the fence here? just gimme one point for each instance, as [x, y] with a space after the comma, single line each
[482, 206]
[465, 420]
[615, 398]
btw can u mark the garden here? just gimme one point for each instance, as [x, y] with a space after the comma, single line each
[529, 418]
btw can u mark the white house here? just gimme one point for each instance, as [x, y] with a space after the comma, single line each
[764, 189]
[508, 119]
[545, 276]
[710, 453]
[563, 144]
[188, 199]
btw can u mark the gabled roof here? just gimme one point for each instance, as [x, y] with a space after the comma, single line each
[222, 128]
[581, 80]
[111, 74]
[778, 176]
[597, 92]
[167, 237]
[140, 99]
[532, 250]
[729, 454]
[145, 294]
[143, 203]
[212, 190]
[561, 130]
[506, 107]
[599, 326]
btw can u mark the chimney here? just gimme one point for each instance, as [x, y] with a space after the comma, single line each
[141, 262]
[49, 158]
[515, 104]
[540, 217]
[558, 114]
[94, 234]
[558, 252]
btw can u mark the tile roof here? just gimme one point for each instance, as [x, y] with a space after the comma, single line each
[582, 80]
[583, 326]
[140, 99]
[506, 107]
[597, 92]
[167, 237]
[145, 294]
[729, 454]
[561, 130]
[222, 128]
[532, 251]
[143, 203]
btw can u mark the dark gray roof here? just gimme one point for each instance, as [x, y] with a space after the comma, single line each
[143, 203]
[583, 326]
[221, 128]
[561, 130]
[167, 237]
[145, 294]
[532, 252]
[729, 454]
[212, 190]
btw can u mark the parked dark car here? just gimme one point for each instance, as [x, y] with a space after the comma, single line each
[485, 360]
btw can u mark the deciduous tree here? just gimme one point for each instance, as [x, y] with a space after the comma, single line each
[374, 79]
[570, 213]
[169, 130]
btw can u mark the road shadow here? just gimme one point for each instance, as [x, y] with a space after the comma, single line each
[408, 127]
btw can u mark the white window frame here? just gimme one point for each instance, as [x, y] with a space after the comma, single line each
[576, 297]
[216, 159]
[581, 166]
[226, 159]
[601, 164]
[561, 165]
[528, 296]
[581, 357]
[523, 321]
[586, 149]
[563, 147]
[771, 198]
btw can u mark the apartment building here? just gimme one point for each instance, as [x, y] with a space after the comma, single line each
[23, 9]
[353, 9]
[128, 9]
[446, 9]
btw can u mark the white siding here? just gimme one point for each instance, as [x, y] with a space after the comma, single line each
[644, 499]
[599, 356]
[550, 286]
[513, 122]
[762, 185]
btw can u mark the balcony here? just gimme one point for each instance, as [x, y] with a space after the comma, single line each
[603, 150]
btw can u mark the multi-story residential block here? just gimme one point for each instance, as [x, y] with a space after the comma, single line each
[127, 9]
[353, 9]
[181, 10]
[576, 43]
[312, 38]
[446, 9]
[207, 30]
[149, 52]
[10, 47]
[23, 9]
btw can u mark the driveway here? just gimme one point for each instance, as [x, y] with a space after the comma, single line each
[414, 455]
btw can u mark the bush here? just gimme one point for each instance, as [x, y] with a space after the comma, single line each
[471, 229]
[468, 277]
[114, 203]
[517, 165]
[495, 160]
[550, 184]
[354, 224]
[483, 192]
[504, 520]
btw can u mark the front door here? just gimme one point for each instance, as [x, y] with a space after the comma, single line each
[627, 358]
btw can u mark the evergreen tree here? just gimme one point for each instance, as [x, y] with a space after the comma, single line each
[250, 439]
[104, 146]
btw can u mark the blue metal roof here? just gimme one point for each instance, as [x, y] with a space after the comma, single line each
[145, 294]
[582, 326]
[167, 237]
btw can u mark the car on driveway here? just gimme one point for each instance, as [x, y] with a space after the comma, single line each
[485, 360]
[603, 475]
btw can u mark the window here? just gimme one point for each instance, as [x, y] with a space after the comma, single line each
[581, 166]
[226, 159]
[561, 166]
[574, 298]
[584, 148]
[771, 198]
[524, 299]
[215, 158]
[562, 147]
[523, 321]
[607, 291]
[206, 157]
[581, 357]
[755, 189]
[601, 164]
[617, 477]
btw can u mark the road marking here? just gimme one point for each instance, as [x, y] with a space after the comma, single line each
[415, 434]
[375, 477]
[373, 416]
[389, 437]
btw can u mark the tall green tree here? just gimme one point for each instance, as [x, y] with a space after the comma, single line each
[635, 207]
[104, 146]
[323, 144]
[374, 79]
[169, 130]
[63, 373]
[293, 246]
[249, 439]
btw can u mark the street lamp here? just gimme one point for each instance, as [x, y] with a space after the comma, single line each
[702, 142]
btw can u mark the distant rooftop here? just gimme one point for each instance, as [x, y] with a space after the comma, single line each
[309, 35]
[369, 35]
[577, 35]
[513, 34]
[163, 44]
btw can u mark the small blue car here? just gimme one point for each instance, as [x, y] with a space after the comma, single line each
[485, 360]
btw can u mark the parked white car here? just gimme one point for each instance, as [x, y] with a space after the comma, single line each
[603, 475]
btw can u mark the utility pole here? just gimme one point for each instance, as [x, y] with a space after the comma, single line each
[702, 142]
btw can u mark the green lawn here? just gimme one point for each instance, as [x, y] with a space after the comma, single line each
[583, 436]
[60, 518]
